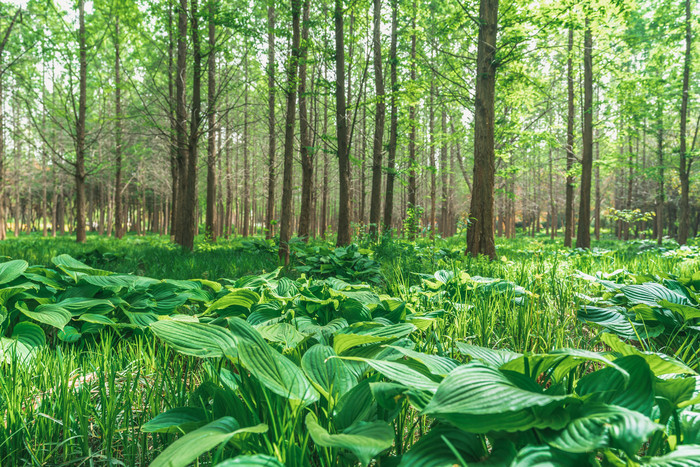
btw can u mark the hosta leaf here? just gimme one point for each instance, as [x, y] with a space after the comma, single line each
[29, 334]
[72, 267]
[399, 372]
[437, 448]
[237, 302]
[546, 456]
[344, 342]
[11, 270]
[557, 363]
[50, 314]
[660, 364]
[481, 398]
[615, 320]
[97, 319]
[196, 339]
[258, 460]
[177, 420]
[282, 333]
[493, 357]
[187, 449]
[78, 305]
[328, 375]
[435, 364]
[683, 456]
[69, 335]
[364, 439]
[652, 293]
[597, 426]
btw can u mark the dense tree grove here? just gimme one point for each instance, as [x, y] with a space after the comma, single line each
[420, 117]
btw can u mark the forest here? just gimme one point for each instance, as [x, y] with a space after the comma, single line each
[351, 232]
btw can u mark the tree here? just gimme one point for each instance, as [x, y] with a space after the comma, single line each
[393, 120]
[306, 152]
[292, 67]
[271, 139]
[375, 203]
[211, 228]
[570, 157]
[480, 236]
[583, 237]
[341, 128]
[80, 234]
[685, 162]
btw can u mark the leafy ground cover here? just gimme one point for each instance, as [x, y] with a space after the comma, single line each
[390, 354]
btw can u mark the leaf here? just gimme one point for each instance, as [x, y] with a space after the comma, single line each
[258, 460]
[493, 357]
[328, 375]
[29, 334]
[546, 456]
[597, 426]
[683, 456]
[652, 293]
[435, 364]
[188, 448]
[72, 267]
[480, 398]
[660, 364]
[364, 439]
[237, 302]
[11, 270]
[196, 339]
[50, 314]
[69, 334]
[399, 372]
[437, 448]
[177, 420]
[282, 333]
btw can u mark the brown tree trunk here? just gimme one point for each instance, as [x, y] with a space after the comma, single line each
[80, 235]
[306, 152]
[393, 121]
[210, 229]
[412, 163]
[480, 238]
[246, 230]
[433, 164]
[660, 195]
[685, 162]
[570, 157]
[181, 123]
[286, 213]
[583, 237]
[269, 214]
[375, 203]
[118, 214]
[344, 237]
[444, 200]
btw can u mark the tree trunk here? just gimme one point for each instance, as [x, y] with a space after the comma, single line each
[80, 174]
[660, 195]
[444, 201]
[433, 164]
[118, 214]
[480, 238]
[583, 237]
[570, 157]
[375, 203]
[269, 214]
[246, 230]
[412, 188]
[306, 152]
[393, 121]
[210, 229]
[685, 162]
[181, 123]
[286, 214]
[344, 208]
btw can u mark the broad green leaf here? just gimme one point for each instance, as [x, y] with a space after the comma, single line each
[237, 302]
[652, 293]
[73, 267]
[493, 357]
[29, 334]
[343, 342]
[364, 439]
[97, 319]
[11, 270]
[188, 448]
[547, 456]
[683, 456]
[399, 372]
[177, 420]
[282, 333]
[69, 334]
[437, 448]
[196, 339]
[258, 460]
[328, 375]
[435, 364]
[598, 426]
[660, 364]
[557, 363]
[50, 314]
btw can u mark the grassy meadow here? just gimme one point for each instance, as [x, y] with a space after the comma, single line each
[133, 352]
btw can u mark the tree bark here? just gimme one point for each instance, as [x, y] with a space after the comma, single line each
[80, 234]
[480, 237]
[286, 214]
[210, 229]
[570, 157]
[181, 122]
[344, 208]
[393, 121]
[271, 145]
[412, 187]
[118, 210]
[583, 237]
[375, 203]
[306, 152]
[685, 161]
[660, 195]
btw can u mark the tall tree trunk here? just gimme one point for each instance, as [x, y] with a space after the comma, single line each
[80, 174]
[324, 194]
[444, 200]
[685, 162]
[181, 123]
[306, 152]
[344, 237]
[118, 214]
[393, 121]
[375, 204]
[210, 230]
[286, 214]
[433, 164]
[246, 230]
[570, 157]
[412, 163]
[269, 214]
[660, 195]
[583, 237]
[480, 238]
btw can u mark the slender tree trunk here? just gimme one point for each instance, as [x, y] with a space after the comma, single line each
[583, 237]
[270, 118]
[286, 214]
[246, 230]
[393, 121]
[324, 194]
[444, 210]
[344, 208]
[210, 223]
[685, 162]
[660, 195]
[118, 214]
[181, 123]
[480, 238]
[433, 164]
[306, 152]
[375, 204]
[570, 157]
[412, 163]
[80, 173]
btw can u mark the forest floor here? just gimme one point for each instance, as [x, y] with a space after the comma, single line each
[134, 352]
